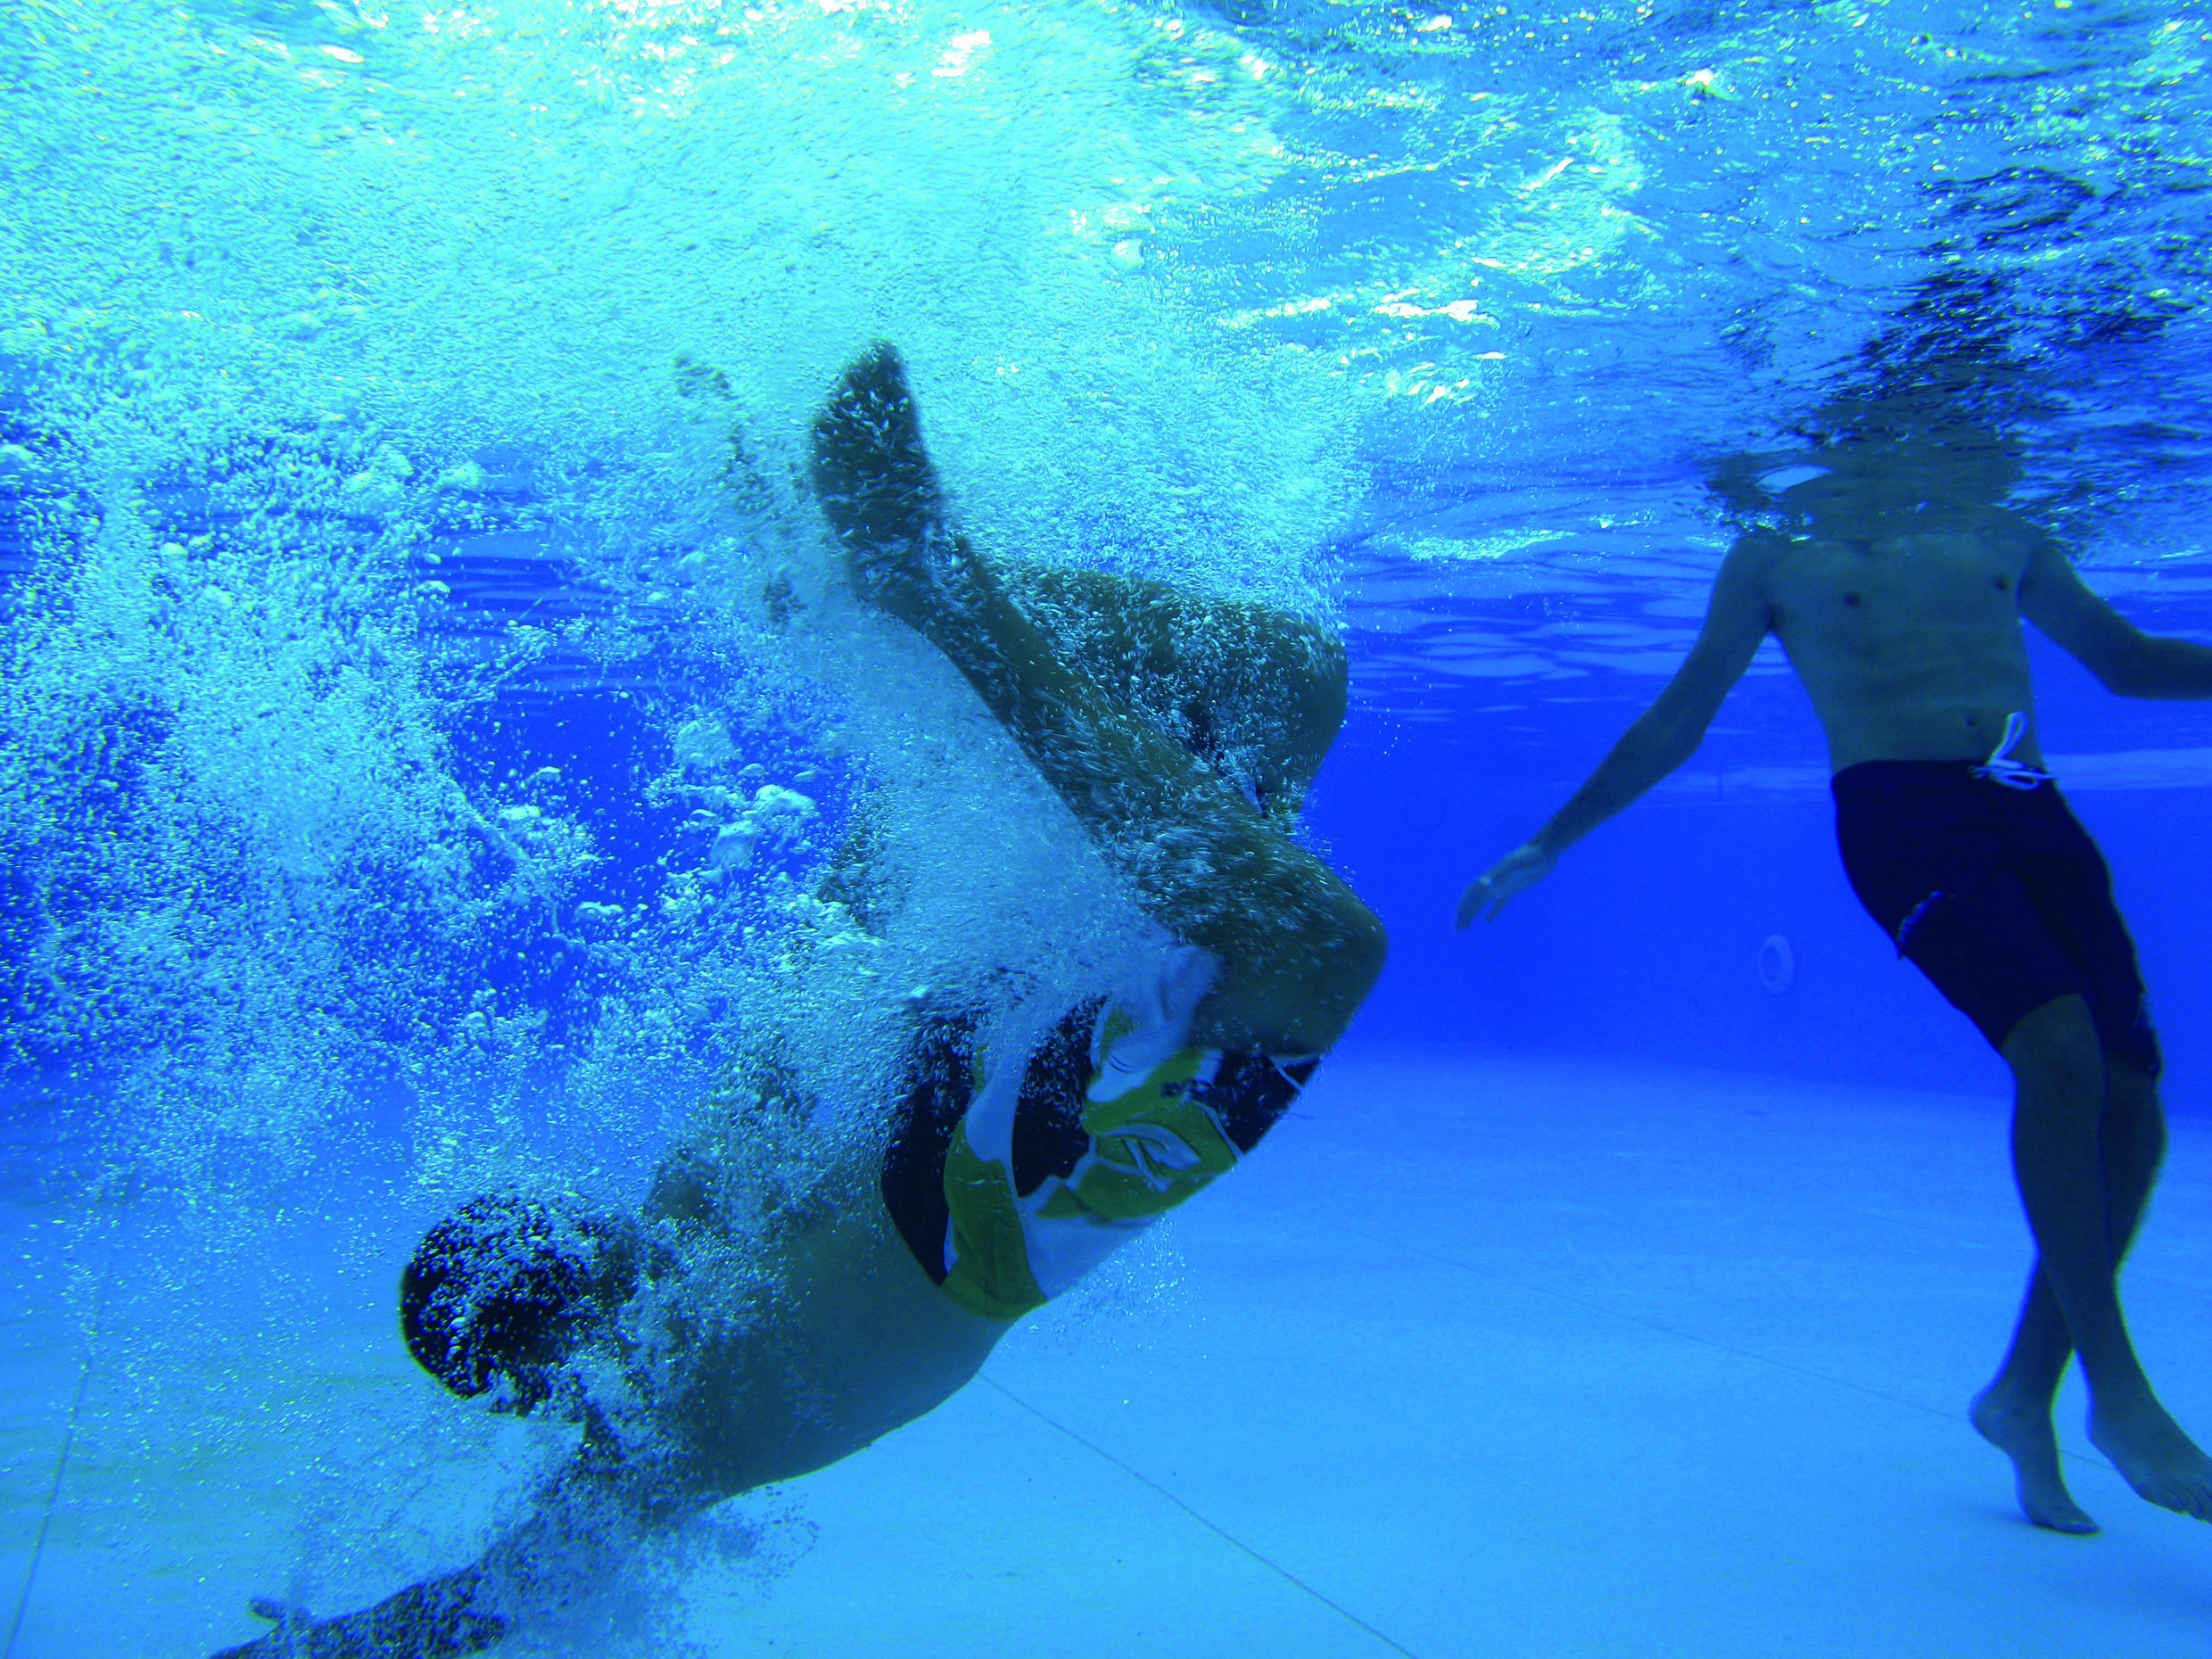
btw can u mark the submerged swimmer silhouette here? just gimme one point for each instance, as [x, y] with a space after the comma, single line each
[885, 1284]
[1897, 585]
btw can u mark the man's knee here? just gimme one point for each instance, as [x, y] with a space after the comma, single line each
[2057, 1047]
[1293, 990]
[2131, 1112]
[1361, 944]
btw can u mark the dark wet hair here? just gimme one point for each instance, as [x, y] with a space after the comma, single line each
[505, 1288]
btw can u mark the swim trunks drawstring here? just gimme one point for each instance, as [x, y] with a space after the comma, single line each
[2002, 768]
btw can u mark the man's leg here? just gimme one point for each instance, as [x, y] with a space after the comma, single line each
[2013, 1413]
[1255, 693]
[1297, 948]
[2085, 1156]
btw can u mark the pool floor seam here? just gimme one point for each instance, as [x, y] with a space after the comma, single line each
[1218, 1530]
[68, 1446]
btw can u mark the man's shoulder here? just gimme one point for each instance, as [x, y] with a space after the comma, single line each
[2007, 528]
[1756, 551]
[1761, 540]
[1981, 540]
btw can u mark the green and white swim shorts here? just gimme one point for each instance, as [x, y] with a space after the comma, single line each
[1009, 1188]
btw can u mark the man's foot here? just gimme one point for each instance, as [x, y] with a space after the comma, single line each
[880, 495]
[2164, 1465]
[2026, 1436]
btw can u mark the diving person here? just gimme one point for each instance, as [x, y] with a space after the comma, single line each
[700, 1371]
[1897, 585]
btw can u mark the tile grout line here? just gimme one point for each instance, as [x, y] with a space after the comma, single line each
[1227, 1537]
[62, 1458]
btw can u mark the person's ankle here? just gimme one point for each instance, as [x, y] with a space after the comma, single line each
[2125, 1397]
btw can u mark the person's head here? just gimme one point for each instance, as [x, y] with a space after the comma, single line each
[1875, 464]
[1909, 450]
[503, 1290]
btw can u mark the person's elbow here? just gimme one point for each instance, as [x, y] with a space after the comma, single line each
[1668, 735]
[2126, 682]
[2133, 666]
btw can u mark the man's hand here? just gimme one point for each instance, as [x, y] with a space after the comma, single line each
[435, 1620]
[1520, 868]
[295, 1629]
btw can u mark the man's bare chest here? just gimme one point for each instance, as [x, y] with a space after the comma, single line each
[1875, 590]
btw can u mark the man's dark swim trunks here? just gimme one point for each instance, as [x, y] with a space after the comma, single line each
[1997, 894]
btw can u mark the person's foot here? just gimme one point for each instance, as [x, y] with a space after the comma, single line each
[2164, 1465]
[2025, 1435]
[880, 495]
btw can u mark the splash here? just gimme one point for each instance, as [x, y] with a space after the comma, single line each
[441, 754]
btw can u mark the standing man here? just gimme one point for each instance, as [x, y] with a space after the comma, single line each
[1897, 586]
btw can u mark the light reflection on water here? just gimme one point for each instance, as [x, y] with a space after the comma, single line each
[1498, 252]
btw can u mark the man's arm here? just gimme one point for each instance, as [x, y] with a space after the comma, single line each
[1737, 618]
[2130, 662]
[581, 1519]
[438, 1619]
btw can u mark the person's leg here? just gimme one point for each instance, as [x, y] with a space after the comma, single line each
[1298, 950]
[2013, 1413]
[1255, 692]
[2081, 1225]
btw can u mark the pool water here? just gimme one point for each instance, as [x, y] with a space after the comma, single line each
[430, 704]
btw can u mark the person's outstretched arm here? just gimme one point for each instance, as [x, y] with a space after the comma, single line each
[2128, 661]
[1297, 949]
[437, 1619]
[1737, 618]
[593, 1504]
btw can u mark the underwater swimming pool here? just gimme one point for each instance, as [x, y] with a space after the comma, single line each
[444, 750]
